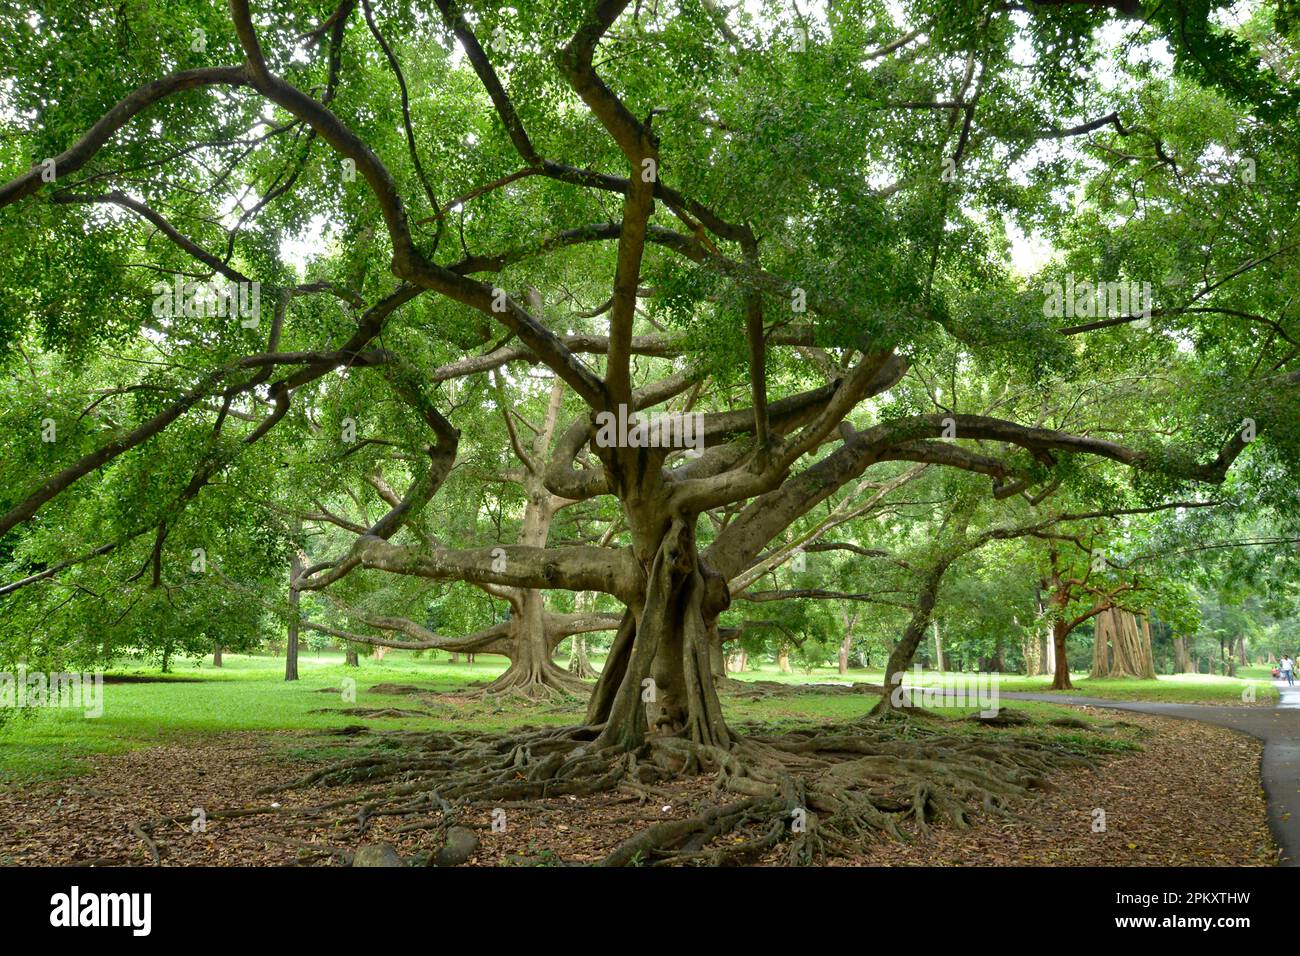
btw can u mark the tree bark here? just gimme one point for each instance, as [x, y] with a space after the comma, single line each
[900, 658]
[1031, 650]
[531, 671]
[1061, 663]
[658, 677]
[1059, 601]
[216, 656]
[291, 646]
[846, 644]
[579, 665]
[1119, 648]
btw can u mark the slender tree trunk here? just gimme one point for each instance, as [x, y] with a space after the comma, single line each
[1059, 602]
[1031, 649]
[900, 658]
[532, 671]
[1061, 663]
[350, 657]
[938, 648]
[846, 644]
[216, 656]
[579, 664]
[291, 645]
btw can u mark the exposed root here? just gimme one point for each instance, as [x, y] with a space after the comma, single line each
[814, 793]
[543, 682]
[371, 712]
[142, 831]
[732, 687]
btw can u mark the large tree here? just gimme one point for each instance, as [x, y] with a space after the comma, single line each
[791, 225]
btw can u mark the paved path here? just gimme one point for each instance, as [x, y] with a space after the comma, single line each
[1278, 727]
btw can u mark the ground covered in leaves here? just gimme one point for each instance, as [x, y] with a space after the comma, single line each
[1173, 792]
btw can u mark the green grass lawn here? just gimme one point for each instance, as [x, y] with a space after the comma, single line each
[249, 694]
[1173, 688]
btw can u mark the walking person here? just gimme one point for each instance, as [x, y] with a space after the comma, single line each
[1288, 669]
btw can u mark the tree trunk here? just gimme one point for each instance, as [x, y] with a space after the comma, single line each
[291, 647]
[1060, 662]
[579, 666]
[532, 673]
[1059, 602]
[1031, 650]
[938, 648]
[846, 645]
[1182, 663]
[717, 657]
[658, 677]
[1119, 649]
[216, 656]
[350, 657]
[900, 658]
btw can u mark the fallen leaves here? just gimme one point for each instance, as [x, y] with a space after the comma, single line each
[1191, 797]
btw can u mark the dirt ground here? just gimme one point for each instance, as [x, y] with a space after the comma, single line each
[1192, 796]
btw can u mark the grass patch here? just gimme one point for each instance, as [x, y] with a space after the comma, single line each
[250, 694]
